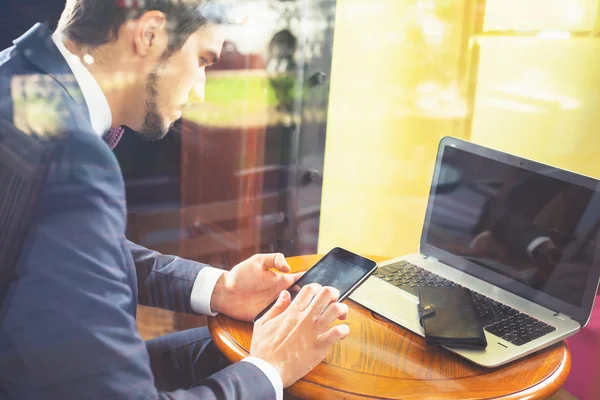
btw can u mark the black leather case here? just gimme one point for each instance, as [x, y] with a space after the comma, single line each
[449, 319]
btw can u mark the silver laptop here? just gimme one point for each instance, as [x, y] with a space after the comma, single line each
[522, 236]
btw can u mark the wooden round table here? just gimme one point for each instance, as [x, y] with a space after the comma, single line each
[382, 360]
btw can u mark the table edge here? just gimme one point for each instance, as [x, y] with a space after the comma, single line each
[543, 389]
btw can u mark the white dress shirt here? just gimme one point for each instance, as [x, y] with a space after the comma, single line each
[101, 119]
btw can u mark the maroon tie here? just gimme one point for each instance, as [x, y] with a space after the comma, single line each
[113, 136]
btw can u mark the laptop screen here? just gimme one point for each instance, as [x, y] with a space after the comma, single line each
[515, 219]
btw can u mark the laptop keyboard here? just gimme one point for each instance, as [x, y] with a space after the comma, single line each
[496, 318]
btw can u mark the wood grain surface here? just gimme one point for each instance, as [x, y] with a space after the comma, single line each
[382, 360]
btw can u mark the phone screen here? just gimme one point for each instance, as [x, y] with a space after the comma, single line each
[340, 269]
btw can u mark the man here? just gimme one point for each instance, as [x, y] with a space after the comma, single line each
[68, 317]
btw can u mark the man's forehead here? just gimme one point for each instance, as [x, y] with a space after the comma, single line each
[211, 37]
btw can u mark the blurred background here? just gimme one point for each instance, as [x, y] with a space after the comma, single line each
[321, 122]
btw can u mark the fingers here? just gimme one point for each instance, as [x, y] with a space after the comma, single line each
[338, 332]
[275, 260]
[324, 298]
[306, 295]
[282, 303]
[332, 313]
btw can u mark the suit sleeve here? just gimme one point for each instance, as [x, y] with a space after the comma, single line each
[69, 331]
[164, 281]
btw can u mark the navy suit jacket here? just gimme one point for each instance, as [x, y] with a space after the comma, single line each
[68, 328]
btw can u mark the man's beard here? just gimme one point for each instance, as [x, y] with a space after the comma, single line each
[154, 126]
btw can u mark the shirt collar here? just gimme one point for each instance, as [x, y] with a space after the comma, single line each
[98, 108]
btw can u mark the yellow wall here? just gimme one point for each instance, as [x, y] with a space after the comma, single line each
[382, 134]
[546, 106]
[537, 97]
[538, 15]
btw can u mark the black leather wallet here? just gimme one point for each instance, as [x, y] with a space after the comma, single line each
[449, 319]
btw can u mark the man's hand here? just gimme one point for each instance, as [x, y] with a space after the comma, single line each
[294, 338]
[250, 286]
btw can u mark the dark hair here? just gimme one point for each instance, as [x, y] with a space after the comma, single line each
[96, 22]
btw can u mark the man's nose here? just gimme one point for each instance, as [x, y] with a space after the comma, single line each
[197, 92]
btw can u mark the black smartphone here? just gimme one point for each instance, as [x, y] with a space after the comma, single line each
[339, 268]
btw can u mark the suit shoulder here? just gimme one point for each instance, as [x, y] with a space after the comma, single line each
[7, 55]
[35, 102]
[12, 63]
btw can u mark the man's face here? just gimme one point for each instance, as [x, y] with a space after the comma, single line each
[174, 82]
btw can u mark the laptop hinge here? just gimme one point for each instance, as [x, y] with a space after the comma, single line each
[562, 317]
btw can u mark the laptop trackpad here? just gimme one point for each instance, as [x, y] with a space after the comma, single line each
[387, 300]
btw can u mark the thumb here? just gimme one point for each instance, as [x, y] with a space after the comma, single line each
[273, 261]
[287, 280]
[282, 303]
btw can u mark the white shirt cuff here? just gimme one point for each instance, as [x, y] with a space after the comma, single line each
[203, 288]
[535, 243]
[271, 373]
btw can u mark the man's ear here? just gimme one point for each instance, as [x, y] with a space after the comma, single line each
[150, 35]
